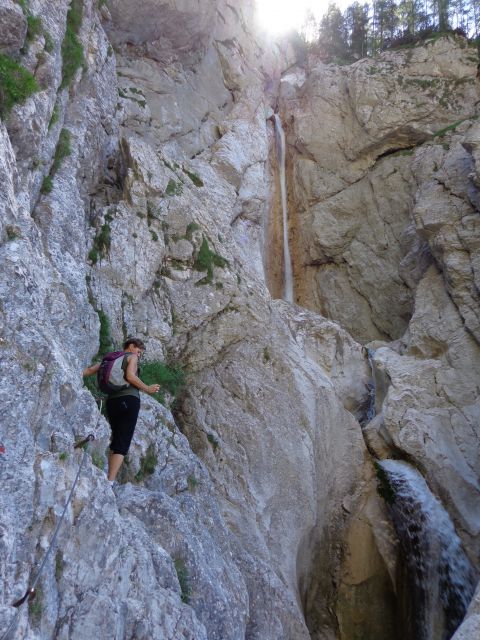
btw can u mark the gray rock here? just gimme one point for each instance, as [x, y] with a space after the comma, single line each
[13, 27]
[353, 209]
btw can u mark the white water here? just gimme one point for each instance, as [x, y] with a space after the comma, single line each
[440, 579]
[372, 389]
[288, 273]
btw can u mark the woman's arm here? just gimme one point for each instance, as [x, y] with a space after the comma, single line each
[132, 378]
[89, 371]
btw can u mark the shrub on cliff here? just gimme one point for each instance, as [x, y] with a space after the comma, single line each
[171, 379]
[16, 84]
[62, 150]
[72, 49]
[206, 260]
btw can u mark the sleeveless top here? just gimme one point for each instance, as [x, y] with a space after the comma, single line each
[130, 390]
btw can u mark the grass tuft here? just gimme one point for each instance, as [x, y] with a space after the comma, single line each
[171, 379]
[23, 5]
[191, 228]
[35, 606]
[98, 459]
[441, 132]
[34, 27]
[206, 260]
[106, 345]
[101, 244]
[183, 579]
[16, 84]
[148, 463]
[58, 565]
[106, 340]
[62, 150]
[72, 49]
[49, 43]
[13, 232]
[192, 482]
[198, 182]
[47, 185]
[54, 117]
[174, 188]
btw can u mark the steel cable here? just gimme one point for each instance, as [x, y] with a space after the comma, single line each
[30, 592]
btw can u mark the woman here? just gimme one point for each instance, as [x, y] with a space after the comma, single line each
[123, 405]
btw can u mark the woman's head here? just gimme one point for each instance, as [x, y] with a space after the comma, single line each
[134, 342]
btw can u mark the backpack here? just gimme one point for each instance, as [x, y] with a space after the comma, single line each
[111, 376]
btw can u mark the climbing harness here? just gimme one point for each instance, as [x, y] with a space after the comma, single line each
[30, 592]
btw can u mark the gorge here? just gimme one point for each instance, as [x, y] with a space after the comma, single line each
[141, 194]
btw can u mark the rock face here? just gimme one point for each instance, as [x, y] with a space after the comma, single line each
[384, 207]
[248, 508]
[13, 27]
[368, 146]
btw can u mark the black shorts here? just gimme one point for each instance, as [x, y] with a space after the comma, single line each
[122, 415]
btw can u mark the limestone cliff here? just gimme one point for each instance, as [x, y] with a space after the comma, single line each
[142, 190]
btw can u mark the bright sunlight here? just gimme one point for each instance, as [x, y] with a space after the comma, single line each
[280, 16]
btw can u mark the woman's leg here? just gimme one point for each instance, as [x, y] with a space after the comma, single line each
[115, 461]
[122, 415]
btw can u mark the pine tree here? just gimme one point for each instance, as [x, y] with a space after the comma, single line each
[475, 21]
[410, 15]
[385, 22]
[440, 14]
[356, 23]
[333, 34]
[443, 15]
[475, 13]
[364, 29]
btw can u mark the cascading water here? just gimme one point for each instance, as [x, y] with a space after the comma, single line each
[372, 390]
[377, 388]
[288, 272]
[435, 581]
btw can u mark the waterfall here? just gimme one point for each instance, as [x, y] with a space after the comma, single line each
[435, 579]
[372, 389]
[288, 273]
[377, 388]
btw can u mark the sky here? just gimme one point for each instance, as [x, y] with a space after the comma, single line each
[279, 16]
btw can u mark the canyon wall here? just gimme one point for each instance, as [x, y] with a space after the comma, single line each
[384, 212]
[259, 517]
